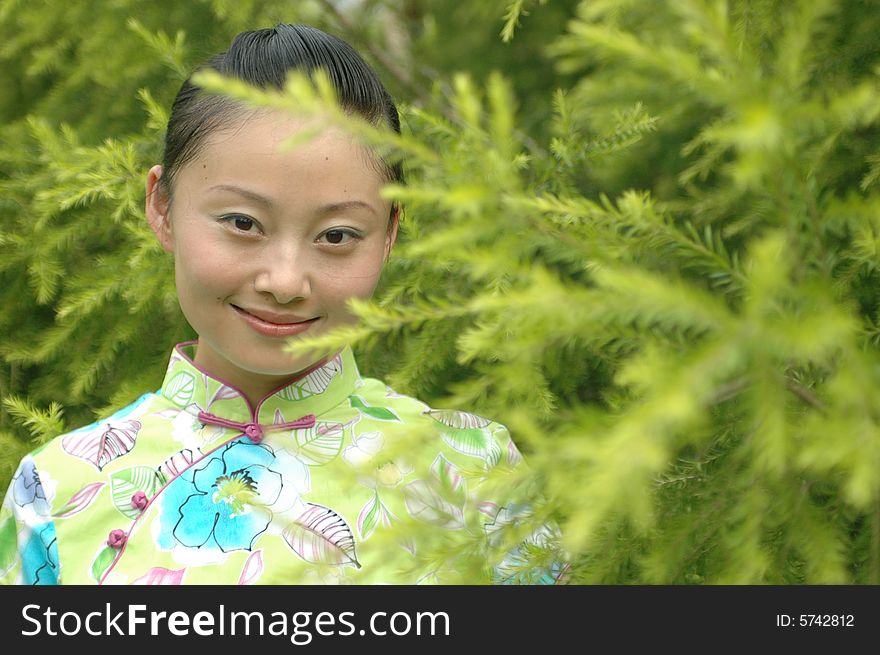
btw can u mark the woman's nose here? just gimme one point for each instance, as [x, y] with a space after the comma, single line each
[283, 272]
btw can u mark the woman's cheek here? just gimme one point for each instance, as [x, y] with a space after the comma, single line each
[364, 278]
[210, 267]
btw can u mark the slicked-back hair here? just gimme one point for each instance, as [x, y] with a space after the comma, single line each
[263, 58]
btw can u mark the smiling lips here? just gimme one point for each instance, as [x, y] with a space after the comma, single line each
[275, 325]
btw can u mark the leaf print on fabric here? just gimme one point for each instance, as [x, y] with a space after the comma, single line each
[315, 382]
[174, 465]
[511, 514]
[206, 387]
[319, 444]
[161, 576]
[476, 443]
[224, 392]
[125, 484]
[451, 481]
[380, 413]
[320, 536]
[453, 418]
[508, 515]
[488, 508]
[293, 392]
[102, 562]
[80, 500]
[104, 444]
[252, 569]
[514, 457]
[424, 502]
[409, 545]
[181, 388]
[373, 514]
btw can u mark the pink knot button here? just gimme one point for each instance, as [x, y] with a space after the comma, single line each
[254, 432]
[116, 539]
[139, 500]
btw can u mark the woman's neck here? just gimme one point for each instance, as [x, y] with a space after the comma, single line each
[255, 386]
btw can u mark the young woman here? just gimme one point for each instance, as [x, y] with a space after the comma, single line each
[250, 465]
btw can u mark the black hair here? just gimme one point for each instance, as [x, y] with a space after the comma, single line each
[263, 58]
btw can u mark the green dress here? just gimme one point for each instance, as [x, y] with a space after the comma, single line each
[330, 479]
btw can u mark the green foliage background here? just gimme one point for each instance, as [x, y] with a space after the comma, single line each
[643, 235]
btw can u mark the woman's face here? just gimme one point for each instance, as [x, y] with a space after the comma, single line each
[269, 245]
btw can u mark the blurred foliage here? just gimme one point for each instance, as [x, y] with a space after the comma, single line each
[642, 235]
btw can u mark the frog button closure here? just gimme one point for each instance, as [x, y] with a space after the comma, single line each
[139, 500]
[254, 431]
[116, 539]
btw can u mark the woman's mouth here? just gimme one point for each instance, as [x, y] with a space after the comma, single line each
[270, 324]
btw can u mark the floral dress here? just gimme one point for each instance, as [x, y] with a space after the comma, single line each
[332, 478]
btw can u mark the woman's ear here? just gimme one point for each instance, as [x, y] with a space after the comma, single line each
[156, 208]
[392, 231]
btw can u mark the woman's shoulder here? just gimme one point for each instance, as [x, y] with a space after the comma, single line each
[91, 447]
[424, 426]
[372, 395]
[65, 475]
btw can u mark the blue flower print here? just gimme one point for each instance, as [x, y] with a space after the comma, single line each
[39, 557]
[27, 488]
[223, 501]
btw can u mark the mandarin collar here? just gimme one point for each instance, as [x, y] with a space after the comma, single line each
[314, 391]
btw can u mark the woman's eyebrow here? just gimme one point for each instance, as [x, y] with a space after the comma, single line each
[345, 205]
[250, 195]
[331, 208]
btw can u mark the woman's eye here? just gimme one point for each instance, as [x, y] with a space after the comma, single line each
[339, 237]
[243, 224]
[240, 223]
